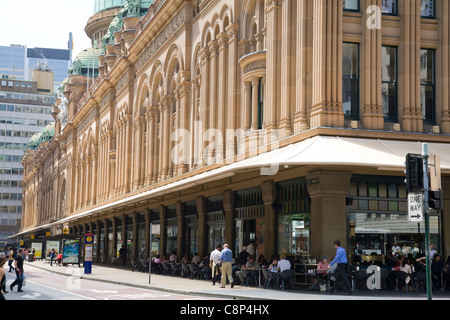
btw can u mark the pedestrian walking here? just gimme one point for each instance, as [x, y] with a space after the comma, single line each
[52, 256]
[214, 263]
[227, 258]
[2, 277]
[11, 256]
[19, 273]
[341, 273]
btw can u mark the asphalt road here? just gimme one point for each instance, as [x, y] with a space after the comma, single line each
[44, 285]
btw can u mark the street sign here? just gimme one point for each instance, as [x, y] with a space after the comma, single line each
[415, 207]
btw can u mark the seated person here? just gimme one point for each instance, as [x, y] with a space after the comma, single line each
[273, 271]
[420, 274]
[436, 271]
[322, 269]
[59, 259]
[283, 264]
[250, 267]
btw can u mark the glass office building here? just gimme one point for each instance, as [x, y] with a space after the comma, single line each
[17, 62]
[23, 114]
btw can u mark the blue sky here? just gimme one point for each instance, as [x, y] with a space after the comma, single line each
[45, 23]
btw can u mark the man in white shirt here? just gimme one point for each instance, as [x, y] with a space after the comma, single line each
[251, 248]
[283, 264]
[213, 260]
[173, 257]
[196, 259]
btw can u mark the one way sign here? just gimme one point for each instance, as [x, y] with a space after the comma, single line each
[415, 207]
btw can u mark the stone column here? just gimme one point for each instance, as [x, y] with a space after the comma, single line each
[202, 228]
[273, 68]
[230, 222]
[409, 111]
[105, 239]
[254, 107]
[233, 99]
[181, 240]
[135, 253]
[443, 72]
[287, 67]
[247, 105]
[372, 116]
[163, 231]
[147, 234]
[328, 192]
[270, 218]
[97, 249]
[326, 110]
[303, 64]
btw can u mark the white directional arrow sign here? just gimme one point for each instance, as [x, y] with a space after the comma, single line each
[415, 207]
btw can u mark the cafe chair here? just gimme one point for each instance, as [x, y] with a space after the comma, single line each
[195, 271]
[285, 276]
[268, 283]
[185, 271]
[176, 269]
[360, 279]
[167, 269]
[400, 280]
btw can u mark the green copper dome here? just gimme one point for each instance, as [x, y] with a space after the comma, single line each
[44, 136]
[85, 62]
[103, 5]
[130, 8]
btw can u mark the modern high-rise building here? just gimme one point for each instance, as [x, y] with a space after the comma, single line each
[24, 112]
[17, 62]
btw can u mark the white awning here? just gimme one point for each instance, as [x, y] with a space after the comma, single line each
[325, 150]
[318, 150]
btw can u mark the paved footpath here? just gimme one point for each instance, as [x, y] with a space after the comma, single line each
[177, 284]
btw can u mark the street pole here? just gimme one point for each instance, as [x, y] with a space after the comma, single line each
[427, 218]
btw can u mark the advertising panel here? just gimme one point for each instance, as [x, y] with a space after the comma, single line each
[37, 246]
[51, 244]
[71, 251]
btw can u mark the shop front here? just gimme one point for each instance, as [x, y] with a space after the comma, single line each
[379, 223]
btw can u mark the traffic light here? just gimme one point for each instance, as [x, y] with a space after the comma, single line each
[414, 172]
[435, 200]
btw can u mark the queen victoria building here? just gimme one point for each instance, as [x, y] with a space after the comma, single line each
[283, 122]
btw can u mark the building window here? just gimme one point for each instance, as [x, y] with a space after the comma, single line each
[351, 5]
[293, 218]
[427, 85]
[378, 221]
[389, 83]
[350, 81]
[260, 104]
[427, 9]
[389, 7]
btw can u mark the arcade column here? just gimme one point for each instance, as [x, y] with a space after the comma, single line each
[328, 192]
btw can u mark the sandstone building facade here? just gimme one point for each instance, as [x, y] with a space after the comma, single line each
[233, 121]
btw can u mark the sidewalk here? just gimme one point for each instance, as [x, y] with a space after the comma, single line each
[124, 276]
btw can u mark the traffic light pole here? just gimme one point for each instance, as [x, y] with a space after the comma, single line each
[426, 217]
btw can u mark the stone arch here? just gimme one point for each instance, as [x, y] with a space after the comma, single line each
[143, 94]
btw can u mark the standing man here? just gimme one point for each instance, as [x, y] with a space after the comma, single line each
[227, 257]
[341, 274]
[19, 272]
[213, 260]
